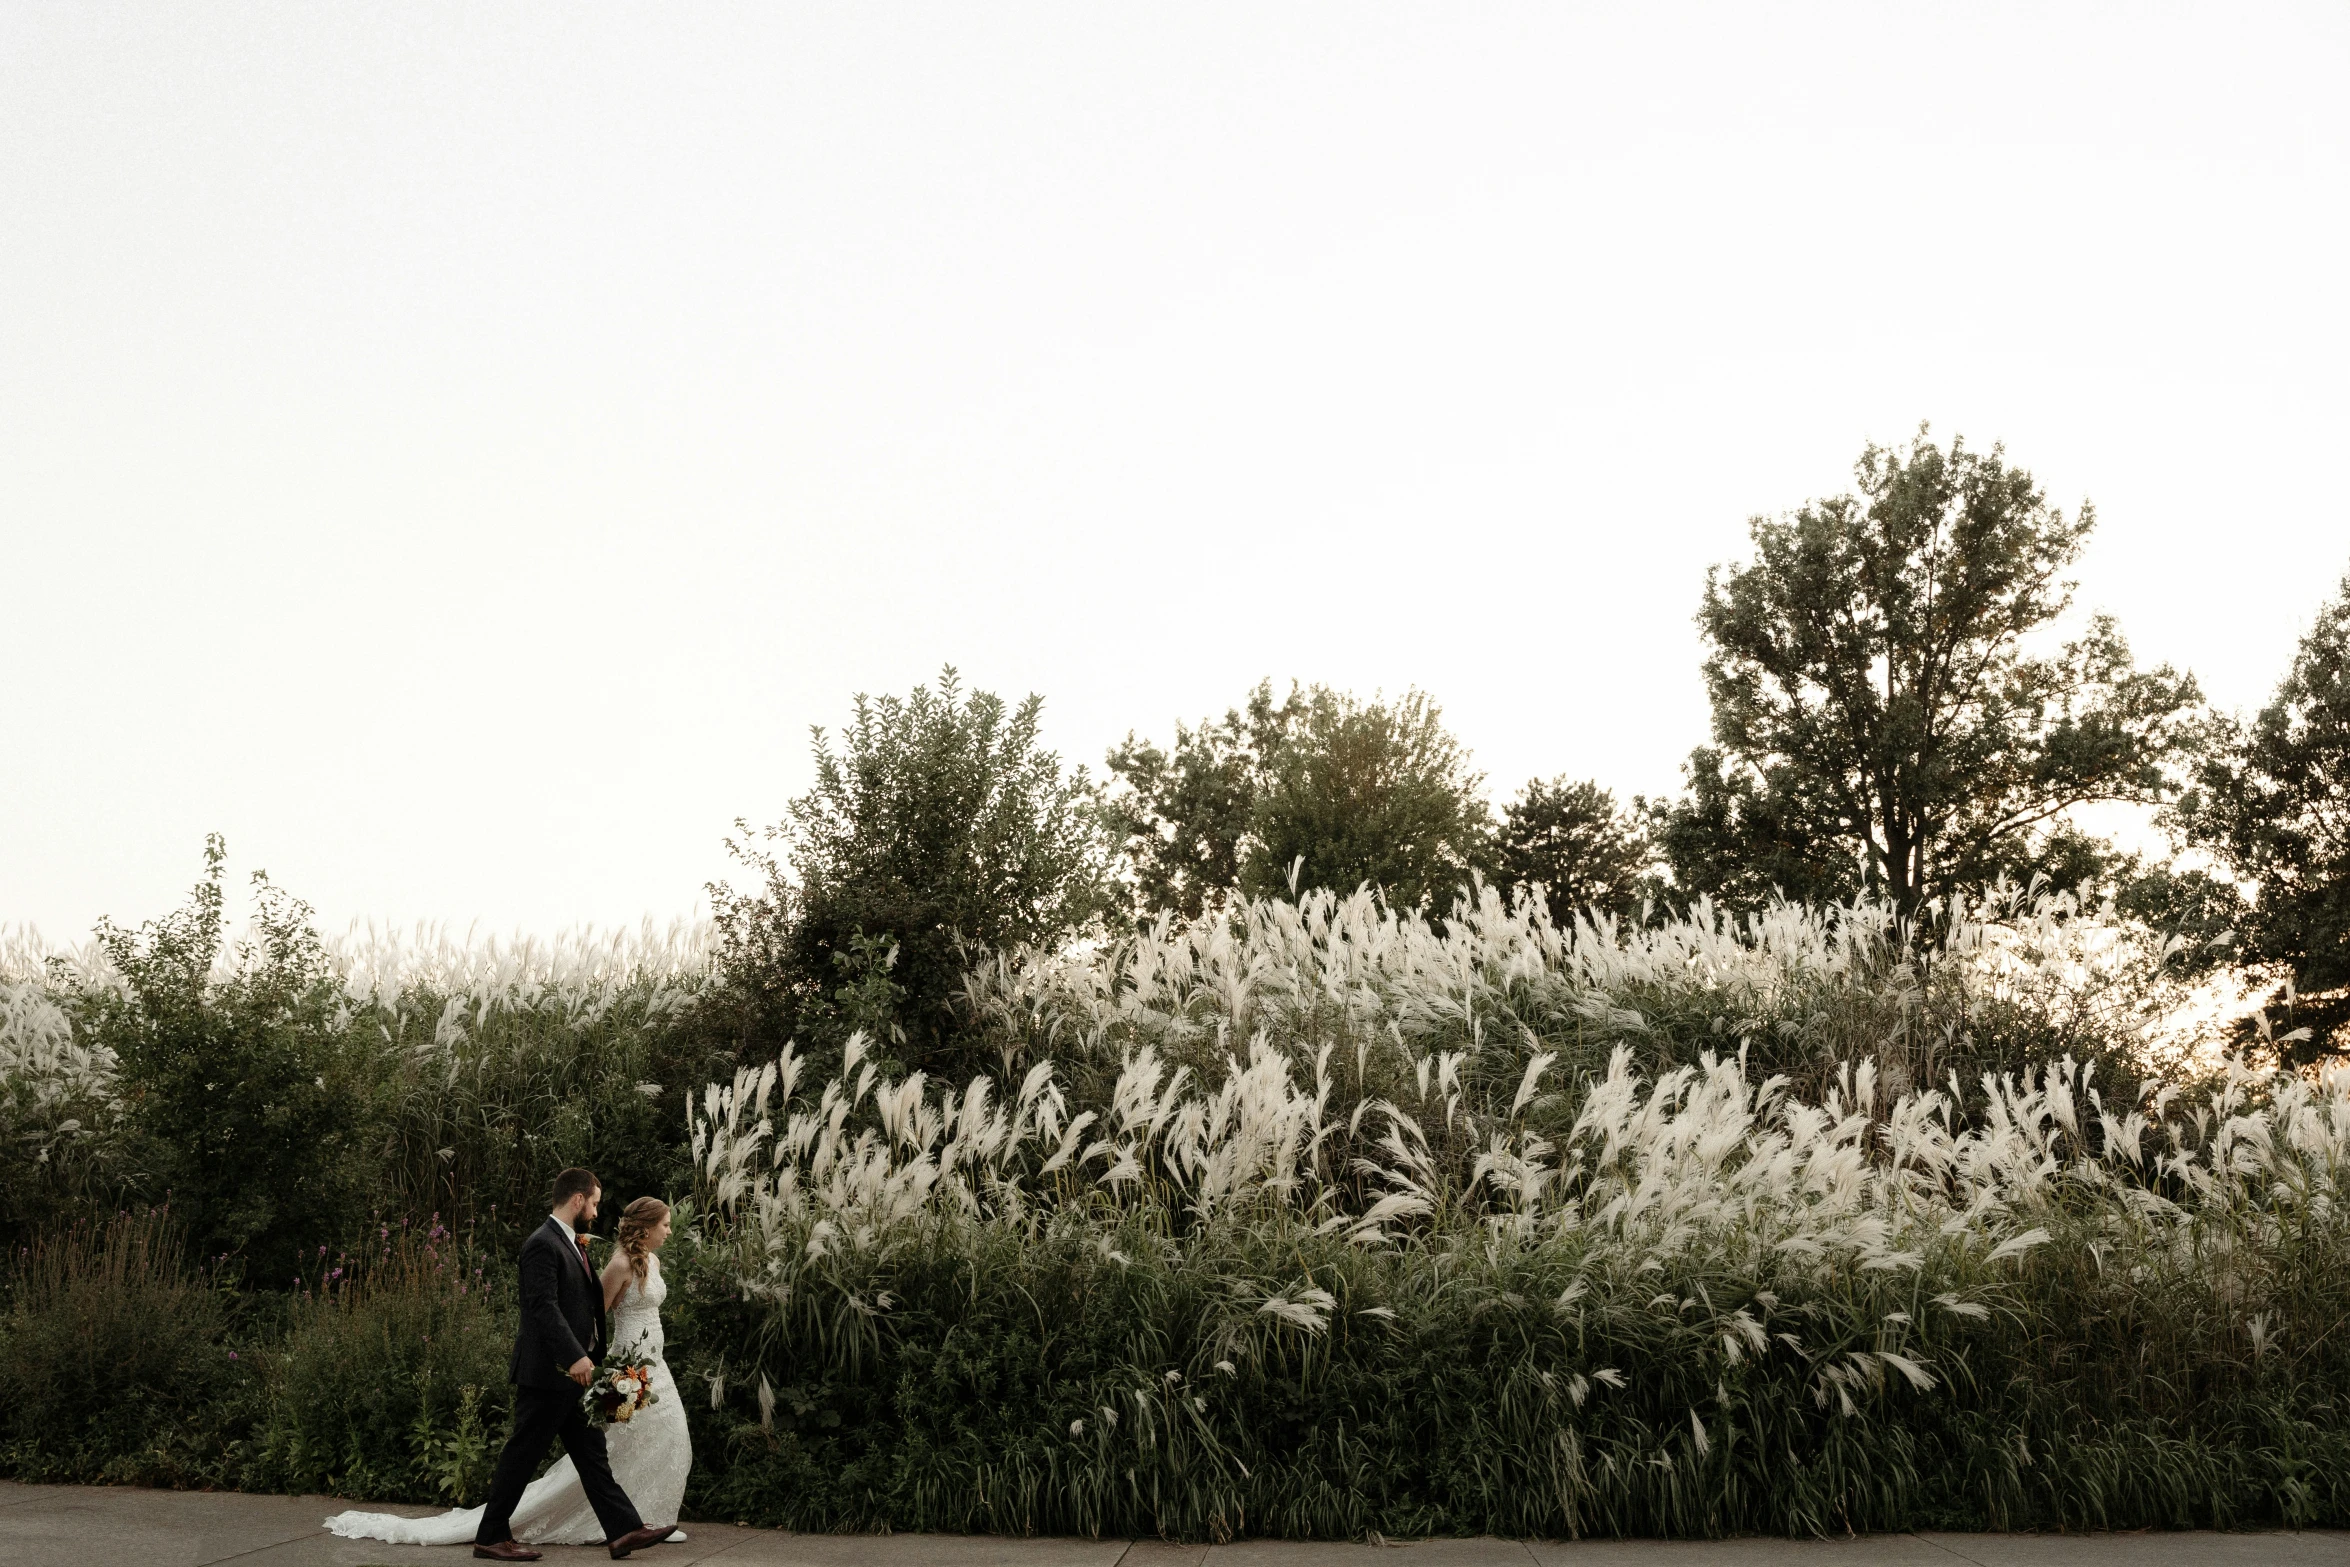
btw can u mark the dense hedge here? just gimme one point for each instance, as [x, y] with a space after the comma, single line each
[1298, 1220]
[1457, 1416]
[280, 1093]
[953, 1407]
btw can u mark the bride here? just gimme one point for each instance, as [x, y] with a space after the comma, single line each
[650, 1454]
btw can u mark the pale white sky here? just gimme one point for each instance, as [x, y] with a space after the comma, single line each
[456, 450]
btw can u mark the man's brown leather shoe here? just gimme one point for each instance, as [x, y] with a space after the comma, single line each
[506, 1551]
[638, 1539]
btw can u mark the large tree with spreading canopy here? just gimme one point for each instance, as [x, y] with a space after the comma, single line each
[1891, 712]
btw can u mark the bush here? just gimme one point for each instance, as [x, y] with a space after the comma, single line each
[251, 1111]
[123, 1369]
[1044, 1387]
[940, 825]
[279, 1091]
[391, 1384]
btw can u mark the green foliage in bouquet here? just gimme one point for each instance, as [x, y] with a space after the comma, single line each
[620, 1389]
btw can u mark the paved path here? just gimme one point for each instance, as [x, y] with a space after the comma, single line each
[74, 1526]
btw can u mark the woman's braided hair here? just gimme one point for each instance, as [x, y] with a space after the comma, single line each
[638, 1220]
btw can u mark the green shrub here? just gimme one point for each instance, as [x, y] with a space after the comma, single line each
[279, 1090]
[390, 1383]
[123, 1369]
[488, 1094]
[251, 1110]
[940, 823]
[972, 1383]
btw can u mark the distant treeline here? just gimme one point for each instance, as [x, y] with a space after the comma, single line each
[1898, 714]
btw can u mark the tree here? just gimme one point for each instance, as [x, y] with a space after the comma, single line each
[940, 823]
[1323, 786]
[1370, 793]
[1738, 840]
[1182, 817]
[1881, 719]
[1575, 842]
[2271, 804]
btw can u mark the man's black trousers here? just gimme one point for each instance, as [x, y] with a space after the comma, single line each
[541, 1414]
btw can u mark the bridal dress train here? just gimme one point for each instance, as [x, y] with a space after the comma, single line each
[650, 1457]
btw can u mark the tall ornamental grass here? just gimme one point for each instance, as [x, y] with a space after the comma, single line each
[500, 1062]
[60, 1148]
[1320, 1220]
[1994, 984]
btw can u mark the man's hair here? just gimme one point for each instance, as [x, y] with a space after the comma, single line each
[574, 1182]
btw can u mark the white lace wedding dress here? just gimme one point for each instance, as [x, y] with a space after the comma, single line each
[650, 1457]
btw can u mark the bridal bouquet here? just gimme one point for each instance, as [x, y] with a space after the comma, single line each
[621, 1386]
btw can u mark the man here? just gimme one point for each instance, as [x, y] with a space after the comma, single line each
[555, 1357]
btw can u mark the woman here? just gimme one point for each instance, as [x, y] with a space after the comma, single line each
[651, 1454]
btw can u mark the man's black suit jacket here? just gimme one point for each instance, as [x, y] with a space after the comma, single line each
[562, 1310]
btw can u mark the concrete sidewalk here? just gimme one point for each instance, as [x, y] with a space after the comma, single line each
[73, 1526]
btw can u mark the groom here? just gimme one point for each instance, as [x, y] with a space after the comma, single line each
[554, 1357]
